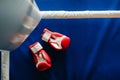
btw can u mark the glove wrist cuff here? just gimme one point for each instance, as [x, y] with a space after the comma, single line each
[46, 36]
[36, 47]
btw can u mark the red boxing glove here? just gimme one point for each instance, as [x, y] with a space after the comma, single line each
[41, 58]
[57, 40]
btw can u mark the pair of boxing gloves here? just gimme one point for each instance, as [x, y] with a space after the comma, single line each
[56, 40]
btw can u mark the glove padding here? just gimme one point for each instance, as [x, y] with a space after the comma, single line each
[57, 40]
[41, 58]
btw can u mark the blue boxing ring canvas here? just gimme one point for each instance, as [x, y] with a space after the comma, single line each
[94, 51]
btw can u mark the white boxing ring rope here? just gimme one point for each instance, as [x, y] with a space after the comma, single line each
[79, 14]
[5, 57]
